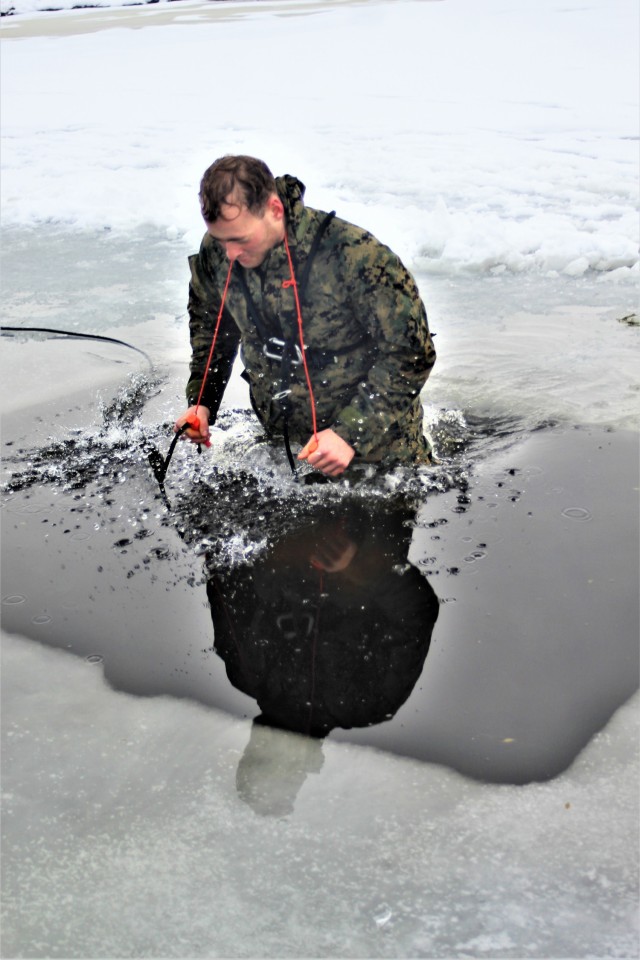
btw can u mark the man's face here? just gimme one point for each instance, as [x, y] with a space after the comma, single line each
[248, 238]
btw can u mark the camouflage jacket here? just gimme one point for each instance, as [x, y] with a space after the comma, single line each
[365, 330]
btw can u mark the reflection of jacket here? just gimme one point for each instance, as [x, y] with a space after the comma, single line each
[369, 347]
[324, 650]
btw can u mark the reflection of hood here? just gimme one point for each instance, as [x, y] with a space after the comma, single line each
[319, 650]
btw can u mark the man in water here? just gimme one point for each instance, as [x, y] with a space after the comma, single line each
[333, 333]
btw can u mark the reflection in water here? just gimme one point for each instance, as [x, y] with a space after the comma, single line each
[328, 628]
[273, 768]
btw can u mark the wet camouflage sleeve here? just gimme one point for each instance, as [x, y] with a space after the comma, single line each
[204, 306]
[384, 297]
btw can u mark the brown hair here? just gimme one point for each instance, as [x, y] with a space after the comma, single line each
[235, 181]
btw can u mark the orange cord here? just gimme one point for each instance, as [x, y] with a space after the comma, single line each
[294, 283]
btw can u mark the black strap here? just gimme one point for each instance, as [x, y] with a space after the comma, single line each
[258, 319]
[287, 445]
[160, 464]
[289, 344]
[306, 272]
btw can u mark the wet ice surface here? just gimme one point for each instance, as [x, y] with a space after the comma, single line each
[497, 336]
[143, 837]
[137, 840]
[156, 793]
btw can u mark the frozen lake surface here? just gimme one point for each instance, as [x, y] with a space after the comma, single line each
[504, 786]
[493, 812]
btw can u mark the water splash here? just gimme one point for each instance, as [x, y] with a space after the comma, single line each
[229, 503]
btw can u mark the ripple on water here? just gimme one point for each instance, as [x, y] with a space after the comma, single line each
[29, 509]
[476, 555]
[577, 513]
[531, 472]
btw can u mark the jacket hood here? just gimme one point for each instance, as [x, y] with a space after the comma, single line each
[291, 192]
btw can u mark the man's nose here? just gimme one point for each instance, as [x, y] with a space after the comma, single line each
[232, 250]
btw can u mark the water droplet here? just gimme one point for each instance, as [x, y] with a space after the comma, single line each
[42, 619]
[14, 599]
[576, 513]
[94, 658]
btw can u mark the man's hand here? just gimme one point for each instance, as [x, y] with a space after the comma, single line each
[331, 454]
[195, 415]
[334, 552]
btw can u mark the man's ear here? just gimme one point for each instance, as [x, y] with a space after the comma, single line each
[275, 206]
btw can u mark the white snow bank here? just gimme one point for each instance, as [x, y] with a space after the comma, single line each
[155, 827]
[468, 136]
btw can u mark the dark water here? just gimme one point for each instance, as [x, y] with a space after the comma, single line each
[481, 615]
